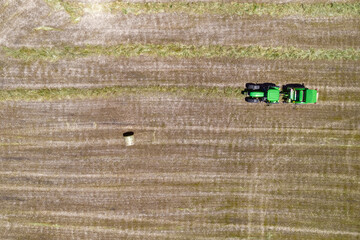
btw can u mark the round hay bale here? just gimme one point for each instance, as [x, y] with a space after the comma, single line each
[129, 138]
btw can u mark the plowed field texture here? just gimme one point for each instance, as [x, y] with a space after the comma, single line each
[76, 74]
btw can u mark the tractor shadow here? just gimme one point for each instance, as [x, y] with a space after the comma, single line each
[293, 85]
[259, 86]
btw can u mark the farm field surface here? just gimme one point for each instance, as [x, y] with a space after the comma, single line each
[76, 75]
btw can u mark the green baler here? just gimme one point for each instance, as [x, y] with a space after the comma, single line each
[299, 94]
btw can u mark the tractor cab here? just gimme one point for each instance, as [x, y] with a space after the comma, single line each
[265, 92]
[273, 94]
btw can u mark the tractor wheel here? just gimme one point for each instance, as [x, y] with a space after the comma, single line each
[252, 86]
[251, 100]
[286, 101]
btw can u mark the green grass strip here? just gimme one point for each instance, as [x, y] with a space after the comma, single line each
[76, 9]
[44, 225]
[47, 94]
[181, 51]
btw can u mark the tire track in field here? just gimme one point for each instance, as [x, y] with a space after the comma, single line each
[38, 228]
[180, 200]
[165, 110]
[175, 234]
[154, 192]
[208, 158]
[163, 28]
[208, 225]
[146, 71]
[325, 195]
[138, 189]
[60, 128]
[163, 177]
[92, 129]
[77, 137]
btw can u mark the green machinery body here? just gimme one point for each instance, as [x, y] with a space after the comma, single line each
[270, 93]
[300, 95]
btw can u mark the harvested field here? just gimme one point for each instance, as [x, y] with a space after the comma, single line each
[198, 164]
[97, 29]
[35, 24]
[146, 71]
[74, 76]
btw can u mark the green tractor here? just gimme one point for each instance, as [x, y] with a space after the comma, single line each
[264, 92]
[299, 94]
[270, 93]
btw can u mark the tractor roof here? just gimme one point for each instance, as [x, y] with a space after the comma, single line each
[273, 95]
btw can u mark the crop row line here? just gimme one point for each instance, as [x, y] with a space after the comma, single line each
[21, 94]
[63, 93]
[180, 51]
[76, 10]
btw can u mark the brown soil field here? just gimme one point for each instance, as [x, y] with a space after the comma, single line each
[102, 29]
[202, 167]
